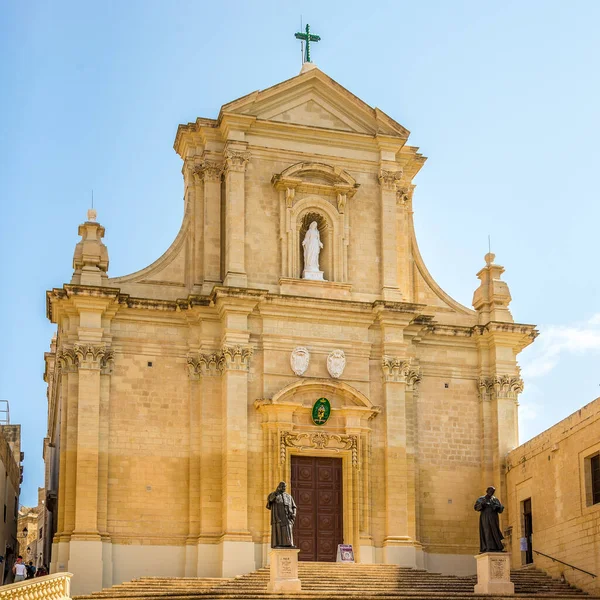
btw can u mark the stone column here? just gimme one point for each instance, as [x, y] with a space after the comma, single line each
[238, 549]
[236, 159]
[210, 173]
[389, 180]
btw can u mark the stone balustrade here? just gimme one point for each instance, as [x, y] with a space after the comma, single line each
[49, 587]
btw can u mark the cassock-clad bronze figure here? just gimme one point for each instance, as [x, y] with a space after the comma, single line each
[490, 536]
[283, 515]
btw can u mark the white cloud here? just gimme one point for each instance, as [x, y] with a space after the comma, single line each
[557, 340]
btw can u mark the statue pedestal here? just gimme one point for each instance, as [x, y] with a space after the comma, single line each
[313, 275]
[284, 570]
[493, 574]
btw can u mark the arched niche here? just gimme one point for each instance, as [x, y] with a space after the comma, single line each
[324, 191]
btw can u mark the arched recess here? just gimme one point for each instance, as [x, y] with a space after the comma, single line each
[332, 226]
[324, 190]
[288, 431]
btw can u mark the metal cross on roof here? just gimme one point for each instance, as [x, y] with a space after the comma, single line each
[308, 37]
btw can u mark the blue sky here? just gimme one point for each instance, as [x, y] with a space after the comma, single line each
[502, 97]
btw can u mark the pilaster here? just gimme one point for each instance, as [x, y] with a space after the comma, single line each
[196, 369]
[90, 360]
[389, 181]
[399, 381]
[236, 158]
[234, 364]
[208, 176]
[499, 410]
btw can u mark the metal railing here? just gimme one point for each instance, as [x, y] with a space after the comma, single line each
[562, 562]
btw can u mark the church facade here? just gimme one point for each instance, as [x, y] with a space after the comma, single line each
[182, 394]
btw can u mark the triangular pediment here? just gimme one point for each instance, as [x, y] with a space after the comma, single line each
[312, 99]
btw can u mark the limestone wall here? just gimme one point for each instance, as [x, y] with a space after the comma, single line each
[553, 470]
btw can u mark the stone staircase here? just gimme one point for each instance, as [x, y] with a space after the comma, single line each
[334, 581]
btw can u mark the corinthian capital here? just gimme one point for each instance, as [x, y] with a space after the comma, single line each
[203, 365]
[500, 386]
[508, 386]
[390, 180]
[235, 358]
[209, 170]
[89, 356]
[236, 160]
[67, 360]
[404, 195]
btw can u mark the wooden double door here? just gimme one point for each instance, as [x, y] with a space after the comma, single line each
[317, 490]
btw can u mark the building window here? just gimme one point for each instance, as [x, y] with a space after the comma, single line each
[5, 513]
[41, 533]
[595, 472]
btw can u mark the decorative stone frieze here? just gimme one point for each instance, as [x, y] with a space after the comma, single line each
[236, 160]
[398, 370]
[320, 440]
[390, 180]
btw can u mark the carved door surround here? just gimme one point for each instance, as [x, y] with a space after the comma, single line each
[288, 431]
[319, 192]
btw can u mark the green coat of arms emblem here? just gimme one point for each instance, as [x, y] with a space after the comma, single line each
[320, 411]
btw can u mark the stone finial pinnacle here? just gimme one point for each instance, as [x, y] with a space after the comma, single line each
[90, 259]
[492, 297]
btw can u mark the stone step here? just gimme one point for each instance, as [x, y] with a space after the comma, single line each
[334, 581]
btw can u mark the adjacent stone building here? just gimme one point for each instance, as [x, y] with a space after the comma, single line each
[10, 487]
[27, 534]
[553, 502]
[180, 395]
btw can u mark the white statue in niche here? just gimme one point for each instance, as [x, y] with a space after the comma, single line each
[312, 248]
[299, 360]
[336, 363]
